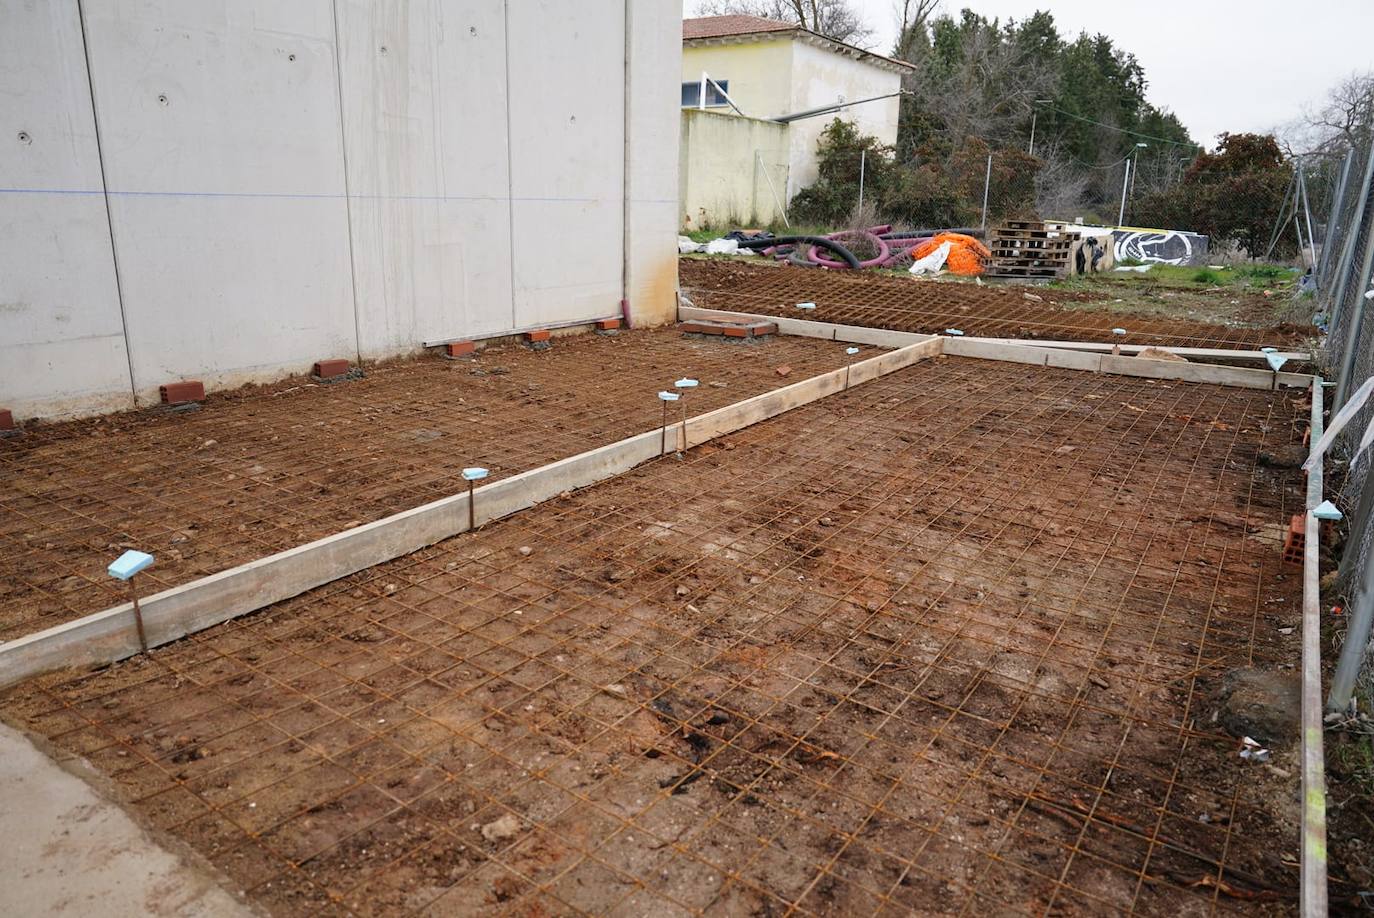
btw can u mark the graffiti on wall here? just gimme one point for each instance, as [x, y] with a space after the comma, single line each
[1170, 247]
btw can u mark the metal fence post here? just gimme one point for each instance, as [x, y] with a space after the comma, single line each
[1333, 220]
[987, 183]
[1352, 234]
[1307, 213]
[1352, 341]
[1356, 636]
[863, 159]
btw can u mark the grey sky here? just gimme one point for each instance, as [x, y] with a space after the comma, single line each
[1220, 65]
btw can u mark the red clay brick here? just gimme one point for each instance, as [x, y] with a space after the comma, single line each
[328, 369]
[736, 331]
[460, 349]
[540, 334]
[607, 324]
[1295, 543]
[179, 393]
[7, 419]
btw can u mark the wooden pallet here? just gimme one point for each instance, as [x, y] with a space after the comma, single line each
[1026, 249]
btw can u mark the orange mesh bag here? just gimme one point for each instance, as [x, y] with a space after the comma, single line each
[966, 254]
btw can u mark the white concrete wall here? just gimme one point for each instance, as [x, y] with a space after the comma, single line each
[823, 77]
[290, 181]
[61, 335]
[726, 165]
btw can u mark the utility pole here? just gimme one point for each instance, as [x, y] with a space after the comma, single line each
[1034, 112]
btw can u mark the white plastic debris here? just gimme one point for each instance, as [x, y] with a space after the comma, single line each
[1252, 751]
[1139, 269]
[686, 246]
[932, 263]
[722, 247]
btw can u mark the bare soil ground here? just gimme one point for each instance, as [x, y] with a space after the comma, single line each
[942, 644]
[263, 469]
[1085, 311]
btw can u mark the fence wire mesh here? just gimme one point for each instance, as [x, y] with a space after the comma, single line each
[1344, 302]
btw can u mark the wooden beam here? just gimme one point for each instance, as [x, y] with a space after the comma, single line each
[1243, 377]
[1203, 354]
[805, 328]
[111, 635]
[1312, 889]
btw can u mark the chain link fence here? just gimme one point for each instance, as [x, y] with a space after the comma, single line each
[1344, 259]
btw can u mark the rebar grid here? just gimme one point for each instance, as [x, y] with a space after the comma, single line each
[267, 469]
[935, 643]
[901, 304]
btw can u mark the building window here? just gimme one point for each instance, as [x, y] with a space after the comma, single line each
[691, 94]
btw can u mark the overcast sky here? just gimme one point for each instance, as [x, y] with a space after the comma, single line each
[1220, 65]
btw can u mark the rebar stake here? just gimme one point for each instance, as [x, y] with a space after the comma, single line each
[124, 568]
[851, 351]
[471, 476]
[685, 383]
[666, 397]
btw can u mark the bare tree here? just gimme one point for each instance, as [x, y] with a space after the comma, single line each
[911, 23]
[1346, 117]
[835, 19]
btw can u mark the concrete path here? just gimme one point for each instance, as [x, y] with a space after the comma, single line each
[69, 851]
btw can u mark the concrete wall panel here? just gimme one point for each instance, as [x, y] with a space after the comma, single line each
[567, 134]
[61, 336]
[654, 52]
[424, 97]
[219, 127]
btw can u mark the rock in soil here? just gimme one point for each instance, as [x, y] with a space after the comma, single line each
[500, 830]
[1263, 705]
[1285, 457]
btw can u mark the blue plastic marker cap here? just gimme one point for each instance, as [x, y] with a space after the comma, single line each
[1118, 331]
[1326, 511]
[1275, 361]
[806, 305]
[685, 383]
[475, 474]
[668, 396]
[851, 351]
[1268, 350]
[130, 563]
[953, 331]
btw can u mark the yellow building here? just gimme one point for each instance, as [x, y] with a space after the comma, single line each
[772, 70]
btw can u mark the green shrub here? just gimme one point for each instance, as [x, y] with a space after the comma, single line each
[1208, 276]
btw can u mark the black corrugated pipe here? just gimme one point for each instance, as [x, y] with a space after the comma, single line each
[840, 251]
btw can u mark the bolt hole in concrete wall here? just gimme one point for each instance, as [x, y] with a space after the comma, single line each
[429, 173]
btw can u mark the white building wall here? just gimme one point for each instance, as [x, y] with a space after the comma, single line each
[61, 336]
[822, 77]
[424, 93]
[290, 181]
[222, 157]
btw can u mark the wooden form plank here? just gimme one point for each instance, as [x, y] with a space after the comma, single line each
[1201, 353]
[1243, 377]
[1312, 889]
[805, 328]
[111, 635]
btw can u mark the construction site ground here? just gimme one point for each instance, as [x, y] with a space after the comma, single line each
[1152, 311]
[946, 642]
[266, 468]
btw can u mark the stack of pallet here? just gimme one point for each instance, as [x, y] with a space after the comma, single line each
[1026, 250]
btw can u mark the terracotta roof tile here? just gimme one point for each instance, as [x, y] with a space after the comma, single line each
[719, 26]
